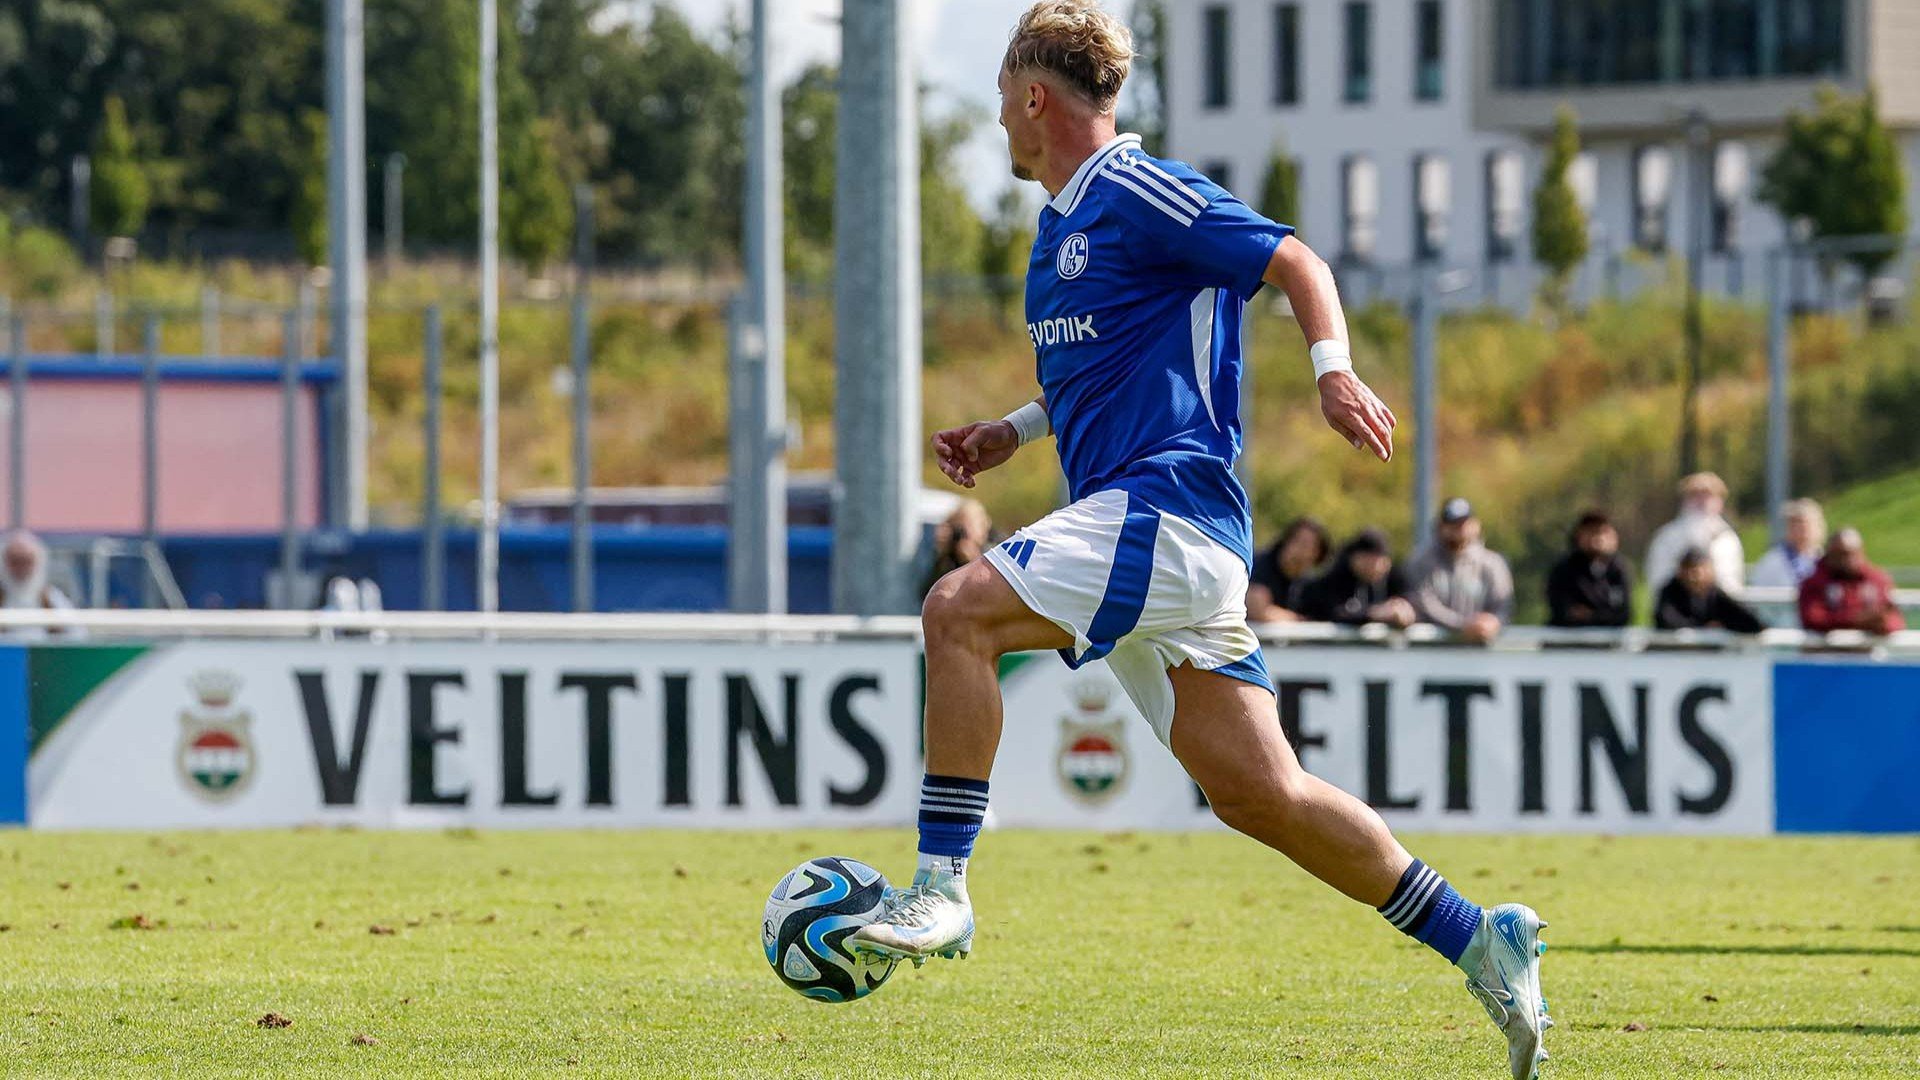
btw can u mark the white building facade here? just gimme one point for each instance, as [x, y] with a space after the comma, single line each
[1417, 126]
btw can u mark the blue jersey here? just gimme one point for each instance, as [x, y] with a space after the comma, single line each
[1140, 271]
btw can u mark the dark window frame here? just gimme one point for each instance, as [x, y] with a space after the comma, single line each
[1429, 50]
[1356, 52]
[1216, 37]
[1286, 53]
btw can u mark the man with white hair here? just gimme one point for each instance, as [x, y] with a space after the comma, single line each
[1701, 524]
[23, 581]
[1141, 272]
[1793, 560]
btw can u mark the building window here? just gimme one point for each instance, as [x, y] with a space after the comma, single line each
[1359, 52]
[1219, 60]
[1432, 205]
[1286, 54]
[1730, 181]
[1506, 204]
[1542, 43]
[1429, 51]
[1220, 172]
[1652, 191]
[1360, 208]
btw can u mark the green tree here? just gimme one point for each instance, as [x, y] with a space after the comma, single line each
[1559, 225]
[308, 214]
[536, 207]
[1280, 194]
[1144, 107]
[119, 191]
[950, 228]
[810, 130]
[1839, 169]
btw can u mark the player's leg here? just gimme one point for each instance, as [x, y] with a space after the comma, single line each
[1225, 732]
[971, 618]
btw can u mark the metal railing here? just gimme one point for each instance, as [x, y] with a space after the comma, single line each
[719, 628]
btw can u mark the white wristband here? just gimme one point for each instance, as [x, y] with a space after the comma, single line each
[1030, 422]
[1330, 355]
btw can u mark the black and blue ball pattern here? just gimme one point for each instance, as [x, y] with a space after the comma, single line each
[810, 915]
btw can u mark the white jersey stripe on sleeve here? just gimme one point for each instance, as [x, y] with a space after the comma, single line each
[1155, 172]
[1200, 324]
[1156, 201]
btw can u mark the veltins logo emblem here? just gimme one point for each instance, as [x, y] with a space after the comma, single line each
[1073, 256]
[1092, 760]
[215, 756]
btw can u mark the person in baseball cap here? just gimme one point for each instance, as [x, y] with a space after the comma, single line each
[1456, 581]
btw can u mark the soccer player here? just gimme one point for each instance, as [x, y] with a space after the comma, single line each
[1140, 273]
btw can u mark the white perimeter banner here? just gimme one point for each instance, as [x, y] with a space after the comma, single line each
[1441, 739]
[210, 734]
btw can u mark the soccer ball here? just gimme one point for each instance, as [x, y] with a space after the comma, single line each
[809, 917]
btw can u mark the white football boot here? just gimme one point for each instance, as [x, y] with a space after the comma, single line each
[931, 917]
[1503, 973]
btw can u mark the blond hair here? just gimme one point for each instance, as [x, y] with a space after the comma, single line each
[1078, 42]
[1809, 510]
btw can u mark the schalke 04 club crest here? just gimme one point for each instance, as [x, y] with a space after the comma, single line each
[215, 755]
[1092, 759]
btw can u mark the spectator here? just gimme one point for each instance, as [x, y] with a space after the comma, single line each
[1703, 499]
[1457, 582]
[1846, 592]
[1591, 585]
[1792, 560]
[963, 537]
[1281, 573]
[24, 570]
[1694, 600]
[1362, 586]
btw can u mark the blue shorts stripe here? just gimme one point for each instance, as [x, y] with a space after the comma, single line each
[1127, 584]
[1249, 668]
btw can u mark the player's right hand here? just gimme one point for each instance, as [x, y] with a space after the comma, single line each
[971, 449]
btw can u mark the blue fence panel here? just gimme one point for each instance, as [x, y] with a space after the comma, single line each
[1846, 745]
[13, 735]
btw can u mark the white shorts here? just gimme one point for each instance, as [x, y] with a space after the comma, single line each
[1144, 590]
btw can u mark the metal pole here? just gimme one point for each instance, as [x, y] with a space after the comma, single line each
[1426, 438]
[391, 209]
[1779, 477]
[757, 576]
[876, 316]
[292, 336]
[488, 589]
[17, 421]
[582, 538]
[347, 235]
[103, 323]
[80, 209]
[433, 537]
[210, 320]
[746, 588]
[150, 442]
[1696, 267]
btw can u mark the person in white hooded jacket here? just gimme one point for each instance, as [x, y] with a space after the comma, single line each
[1703, 500]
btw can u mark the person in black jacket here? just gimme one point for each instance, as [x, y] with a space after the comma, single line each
[1694, 600]
[1362, 586]
[1281, 572]
[1591, 585]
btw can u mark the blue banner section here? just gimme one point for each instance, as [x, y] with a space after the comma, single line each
[13, 735]
[1846, 745]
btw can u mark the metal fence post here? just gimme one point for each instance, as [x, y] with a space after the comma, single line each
[291, 338]
[103, 323]
[210, 321]
[1426, 439]
[1779, 284]
[433, 574]
[150, 442]
[582, 537]
[17, 420]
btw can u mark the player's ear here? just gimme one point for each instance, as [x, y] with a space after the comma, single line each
[1036, 99]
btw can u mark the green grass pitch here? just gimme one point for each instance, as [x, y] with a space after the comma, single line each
[636, 954]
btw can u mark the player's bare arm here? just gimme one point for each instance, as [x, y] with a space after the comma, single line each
[971, 449]
[1350, 406]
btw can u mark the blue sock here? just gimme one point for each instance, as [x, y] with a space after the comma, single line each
[1424, 907]
[952, 809]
